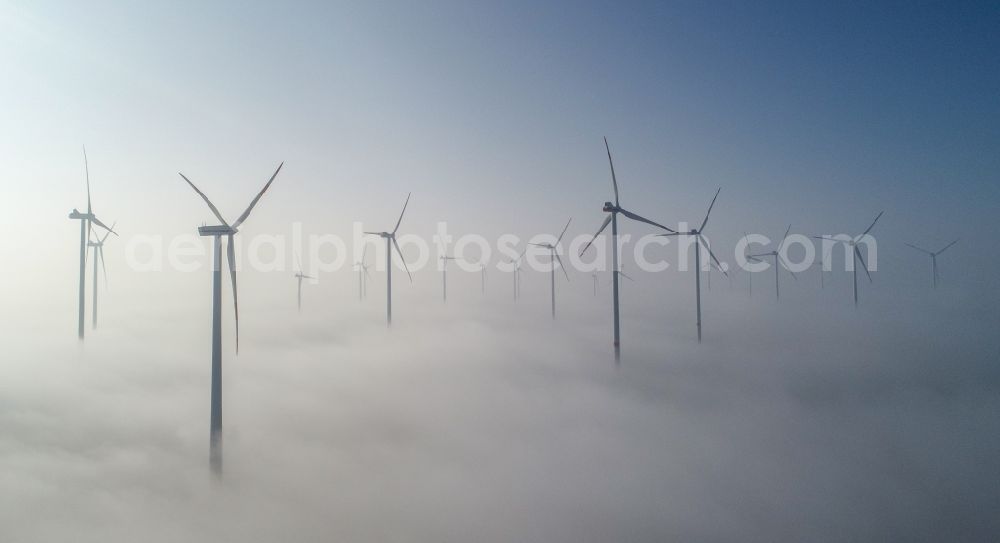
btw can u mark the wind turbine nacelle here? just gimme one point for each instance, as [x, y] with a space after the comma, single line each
[609, 207]
[77, 215]
[220, 230]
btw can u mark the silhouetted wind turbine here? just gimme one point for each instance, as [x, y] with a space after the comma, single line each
[216, 232]
[98, 255]
[300, 276]
[444, 276]
[778, 258]
[932, 254]
[86, 219]
[853, 244]
[699, 242]
[390, 242]
[613, 210]
[553, 258]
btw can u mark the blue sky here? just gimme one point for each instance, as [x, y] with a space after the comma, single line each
[820, 115]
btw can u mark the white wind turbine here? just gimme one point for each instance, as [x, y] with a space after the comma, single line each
[554, 258]
[300, 276]
[98, 255]
[86, 220]
[390, 242]
[216, 232]
[777, 258]
[699, 244]
[613, 209]
[444, 276]
[932, 254]
[362, 268]
[856, 256]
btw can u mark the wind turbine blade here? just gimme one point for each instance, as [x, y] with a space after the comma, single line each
[673, 234]
[635, 217]
[756, 257]
[828, 238]
[711, 254]
[559, 260]
[783, 238]
[298, 263]
[561, 234]
[784, 263]
[919, 249]
[246, 213]
[406, 203]
[546, 245]
[211, 206]
[869, 229]
[231, 258]
[709, 212]
[946, 247]
[112, 231]
[401, 259]
[86, 167]
[374, 233]
[364, 252]
[96, 221]
[368, 275]
[863, 263]
[604, 225]
[614, 180]
[100, 253]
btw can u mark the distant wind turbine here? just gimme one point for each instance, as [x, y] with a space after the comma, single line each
[778, 258]
[86, 220]
[554, 258]
[613, 209]
[516, 272]
[216, 232]
[362, 268]
[853, 244]
[300, 276]
[444, 276]
[749, 258]
[390, 243]
[932, 254]
[98, 255]
[699, 243]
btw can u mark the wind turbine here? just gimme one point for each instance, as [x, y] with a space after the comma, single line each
[553, 258]
[778, 258]
[98, 254]
[390, 242]
[748, 257]
[699, 243]
[363, 275]
[86, 220]
[300, 276]
[216, 232]
[853, 244]
[516, 271]
[613, 210]
[933, 255]
[444, 276]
